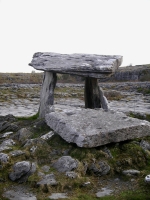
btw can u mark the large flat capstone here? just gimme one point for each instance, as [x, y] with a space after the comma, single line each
[95, 127]
[88, 65]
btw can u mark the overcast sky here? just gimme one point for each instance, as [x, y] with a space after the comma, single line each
[108, 27]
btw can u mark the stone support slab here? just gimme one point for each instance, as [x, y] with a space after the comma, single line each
[47, 93]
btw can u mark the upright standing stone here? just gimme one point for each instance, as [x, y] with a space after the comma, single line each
[47, 92]
[92, 93]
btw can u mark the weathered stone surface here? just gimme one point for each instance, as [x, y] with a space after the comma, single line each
[6, 134]
[101, 168]
[6, 144]
[19, 193]
[22, 135]
[22, 170]
[58, 196]
[88, 65]
[47, 135]
[131, 172]
[16, 153]
[65, 163]
[103, 100]
[91, 128]
[92, 93]
[47, 92]
[71, 174]
[48, 179]
[4, 158]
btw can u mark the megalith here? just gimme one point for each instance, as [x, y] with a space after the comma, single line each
[90, 66]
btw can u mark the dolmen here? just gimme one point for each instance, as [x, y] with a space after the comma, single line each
[96, 124]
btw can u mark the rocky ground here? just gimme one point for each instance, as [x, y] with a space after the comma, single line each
[36, 163]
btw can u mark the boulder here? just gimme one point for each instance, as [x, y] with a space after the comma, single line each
[95, 127]
[65, 163]
[21, 171]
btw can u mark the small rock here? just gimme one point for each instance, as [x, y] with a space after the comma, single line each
[58, 196]
[86, 184]
[104, 192]
[22, 135]
[22, 170]
[16, 153]
[45, 168]
[4, 158]
[71, 174]
[19, 193]
[65, 163]
[48, 179]
[32, 150]
[6, 134]
[48, 135]
[145, 145]
[101, 168]
[8, 142]
[131, 172]
[35, 142]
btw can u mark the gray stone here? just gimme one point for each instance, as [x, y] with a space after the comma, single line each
[95, 127]
[6, 145]
[101, 168]
[47, 135]
[71, 174]
[4, 158]
[35, 142]
[65, 163]
[58, 196]
[104, 192]
[16, 153]
[22, 135]
[47, 93]
[19, 193]
[8, 142]
[45, 168]
[48, 179]
[6, 134]
[131, 172]
[145, 145]
[22, 170]
[88, 65]
[103, 100]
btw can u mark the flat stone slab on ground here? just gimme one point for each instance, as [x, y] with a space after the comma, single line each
[95, 127]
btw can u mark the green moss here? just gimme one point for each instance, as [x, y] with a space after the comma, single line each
[139, 116]
[33, 117]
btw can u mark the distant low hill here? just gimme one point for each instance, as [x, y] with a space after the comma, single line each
[27, 78]
[132, 73]
[129, 73]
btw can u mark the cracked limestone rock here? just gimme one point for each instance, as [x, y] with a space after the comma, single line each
[95, 127]
[65, 163]
[22, 170]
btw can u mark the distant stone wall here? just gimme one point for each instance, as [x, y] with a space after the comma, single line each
[131, 73]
